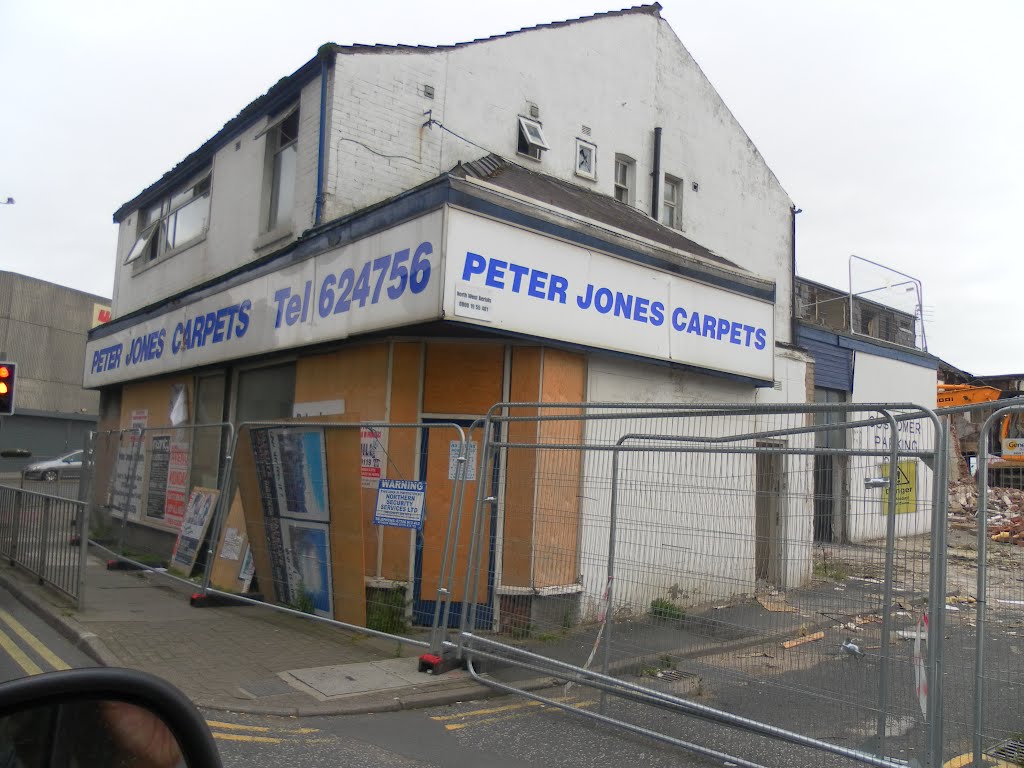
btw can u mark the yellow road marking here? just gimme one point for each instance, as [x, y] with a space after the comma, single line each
[245, 737]
[967, 760]
[502, 718]
[34, 642]
[256, 728]
[494, 710]
[19, 656]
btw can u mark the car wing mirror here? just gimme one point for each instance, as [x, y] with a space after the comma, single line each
[101, 716]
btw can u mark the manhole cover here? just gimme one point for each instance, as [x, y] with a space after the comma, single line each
[1011, 750]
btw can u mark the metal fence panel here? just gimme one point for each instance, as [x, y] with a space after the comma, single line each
[352, 524]
[154, 494]
[708, 553]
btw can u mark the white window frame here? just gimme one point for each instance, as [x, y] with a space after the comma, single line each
[672, 211]
[623, 187]
[531, 135]
[590, 149]
[156, 219]
[272, 221]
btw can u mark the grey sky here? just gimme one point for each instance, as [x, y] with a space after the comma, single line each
[895, 126]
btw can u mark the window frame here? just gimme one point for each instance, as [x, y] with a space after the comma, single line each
[628, 185]
[272, 220]
[151, 242]
[528, 145]
[676, 206]
[581, 145]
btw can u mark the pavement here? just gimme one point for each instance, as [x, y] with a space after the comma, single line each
[246, 659]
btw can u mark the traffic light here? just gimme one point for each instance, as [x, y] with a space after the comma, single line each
[8, 375]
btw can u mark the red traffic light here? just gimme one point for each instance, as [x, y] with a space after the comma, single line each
[5, 372]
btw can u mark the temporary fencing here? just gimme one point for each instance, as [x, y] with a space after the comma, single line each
[650, 551]
[348, 523]
[153, 492]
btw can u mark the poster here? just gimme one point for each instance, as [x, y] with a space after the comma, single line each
[308, 552]
[371, 444]
[177, 483]
[299, 463]
[400, 504]
[201, 506]
[177, 412]
[291, 471]
[126, 496]
[247, 571]
[906, 488]
[453, 459]
[156, 489]
[231, 549]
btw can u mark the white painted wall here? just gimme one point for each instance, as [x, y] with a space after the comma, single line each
[881, 380]
[232, 238]
[620, 76]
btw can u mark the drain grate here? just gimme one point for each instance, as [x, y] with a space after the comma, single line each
[674, 675]
[1011, 750]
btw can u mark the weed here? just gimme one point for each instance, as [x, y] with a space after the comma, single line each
[385, 610]
[667, 662]
[831, 570]
[666, 610]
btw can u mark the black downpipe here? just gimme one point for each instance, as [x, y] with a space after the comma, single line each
[656, 176]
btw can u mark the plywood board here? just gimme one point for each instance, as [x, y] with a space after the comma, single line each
[225, 573]
[463, 378]
[403, 446]
[521, 472]
[343, 462]
[358, 376]
[557, 513]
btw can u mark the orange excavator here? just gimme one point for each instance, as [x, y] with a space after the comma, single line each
[1007, 447]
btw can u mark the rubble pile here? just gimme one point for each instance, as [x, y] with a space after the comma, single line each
[1005, 506]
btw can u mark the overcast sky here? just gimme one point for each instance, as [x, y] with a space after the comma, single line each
[898, 127]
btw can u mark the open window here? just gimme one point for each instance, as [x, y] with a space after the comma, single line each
[531, 138]
[173, 223]
[283, 147]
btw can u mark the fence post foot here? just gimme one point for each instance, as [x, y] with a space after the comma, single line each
[438, 664]
[122, 565]
[200, 600]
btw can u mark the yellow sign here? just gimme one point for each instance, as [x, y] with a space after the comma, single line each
[906, 488]
[100, 314]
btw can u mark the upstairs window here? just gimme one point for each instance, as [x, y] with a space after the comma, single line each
[625, 169]
[173, 223]
[283, 141]
[531, 138]
[671, 203]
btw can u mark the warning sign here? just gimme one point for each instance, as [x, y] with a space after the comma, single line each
[400, 503]
[906, 488]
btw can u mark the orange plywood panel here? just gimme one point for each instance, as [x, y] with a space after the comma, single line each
[153, 396]
[521, 472]
[403, 446]
[357, 375]
[463, 378]
[556, 552]
[347, 573]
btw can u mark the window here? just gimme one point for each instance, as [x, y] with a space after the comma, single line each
[624, 174]
[586, 159]
[671, 203]
[531, 138]
[174, 222]
[283, 143]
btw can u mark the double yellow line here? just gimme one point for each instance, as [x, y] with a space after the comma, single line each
[15, 651]
[504, 712]
[252, 733]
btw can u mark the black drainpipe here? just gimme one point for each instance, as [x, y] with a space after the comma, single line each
[656, 176]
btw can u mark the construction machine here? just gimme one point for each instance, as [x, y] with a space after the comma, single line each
[1006, 447]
